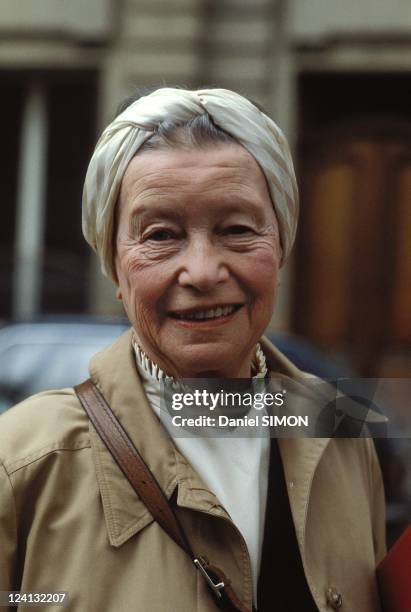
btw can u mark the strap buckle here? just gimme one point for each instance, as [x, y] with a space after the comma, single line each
[201, 565]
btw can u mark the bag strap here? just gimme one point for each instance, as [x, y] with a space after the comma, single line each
[147, 488]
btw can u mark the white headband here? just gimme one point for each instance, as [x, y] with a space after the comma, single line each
[121, 140]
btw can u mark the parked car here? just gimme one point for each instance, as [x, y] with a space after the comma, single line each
[50, 354]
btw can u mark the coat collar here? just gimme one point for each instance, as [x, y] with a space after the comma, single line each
[115, 374]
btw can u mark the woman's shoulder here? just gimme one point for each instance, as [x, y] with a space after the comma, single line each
[42, 424]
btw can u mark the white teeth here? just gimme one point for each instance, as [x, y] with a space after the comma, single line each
[211, 313]
[227, 310]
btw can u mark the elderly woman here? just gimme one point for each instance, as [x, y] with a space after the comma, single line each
[190, 201]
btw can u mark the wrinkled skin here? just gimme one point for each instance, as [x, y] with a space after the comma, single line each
[196, 230]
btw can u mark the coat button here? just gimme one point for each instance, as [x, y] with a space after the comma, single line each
[334, 598]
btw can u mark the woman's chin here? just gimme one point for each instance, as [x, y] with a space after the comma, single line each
[213, 362]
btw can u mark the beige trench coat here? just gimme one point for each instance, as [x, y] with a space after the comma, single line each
[70, 521]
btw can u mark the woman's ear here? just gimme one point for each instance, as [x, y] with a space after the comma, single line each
[119, 295]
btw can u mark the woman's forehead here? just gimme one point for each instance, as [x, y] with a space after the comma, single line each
[225, 172]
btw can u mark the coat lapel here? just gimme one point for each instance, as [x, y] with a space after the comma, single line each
[115, 374]
[300, 455]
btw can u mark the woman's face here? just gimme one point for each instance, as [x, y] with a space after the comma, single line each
[197, 258]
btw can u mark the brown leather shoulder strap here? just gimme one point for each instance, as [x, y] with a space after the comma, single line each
[147, 488]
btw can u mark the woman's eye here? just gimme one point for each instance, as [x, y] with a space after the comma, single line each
[237, 229]
[160, 235]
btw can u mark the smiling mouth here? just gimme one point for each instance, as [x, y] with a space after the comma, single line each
[206, 314]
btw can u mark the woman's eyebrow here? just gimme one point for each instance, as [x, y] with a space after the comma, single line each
[248, 206]
[153, 212]
[155, 209]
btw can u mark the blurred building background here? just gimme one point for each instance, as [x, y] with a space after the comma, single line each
[334, 75]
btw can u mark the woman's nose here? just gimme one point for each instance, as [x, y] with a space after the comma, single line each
[203, 266]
